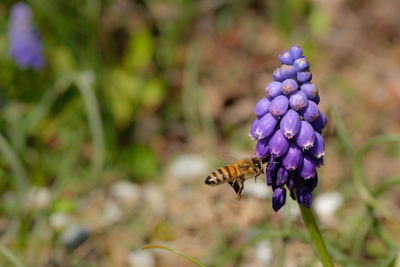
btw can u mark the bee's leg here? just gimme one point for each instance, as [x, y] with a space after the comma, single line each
[235, 186]
[241, 186]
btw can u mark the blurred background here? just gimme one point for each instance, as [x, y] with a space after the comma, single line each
[109, 128]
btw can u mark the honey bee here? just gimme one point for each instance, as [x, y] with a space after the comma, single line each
[236, 173]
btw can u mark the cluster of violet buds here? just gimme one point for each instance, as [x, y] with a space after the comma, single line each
[25, 44]
[288, 128]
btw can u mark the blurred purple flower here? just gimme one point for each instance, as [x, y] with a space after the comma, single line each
[288, 130]
[25, 44]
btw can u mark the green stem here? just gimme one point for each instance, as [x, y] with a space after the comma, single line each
[10, 256]
[315, 234]
[176, 251]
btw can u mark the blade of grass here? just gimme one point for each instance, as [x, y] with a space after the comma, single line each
[176, 251]
[85, 84]
[20, 177]
[342, 131]
[10, 256]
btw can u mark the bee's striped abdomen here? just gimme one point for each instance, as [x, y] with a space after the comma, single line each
[221, 175]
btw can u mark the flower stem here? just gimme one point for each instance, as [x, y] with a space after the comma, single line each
[315, 234]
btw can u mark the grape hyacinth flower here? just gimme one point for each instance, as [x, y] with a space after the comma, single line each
[288, 130]
[25, 44]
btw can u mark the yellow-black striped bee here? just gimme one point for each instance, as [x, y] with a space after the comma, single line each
[236, 173]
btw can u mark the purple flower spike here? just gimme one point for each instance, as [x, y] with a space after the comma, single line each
[289, 130]
[262, 107]
[276, 75]
[304, 196]
[320, 122]
[253, 129]
[265, 126]
[278, 198]
[305, 138]
[318, 149]
[26, 47]
[287, 71]
[262, 148]
[281, 176]
[298, 100]
[310, 90]
[293, 157]
[286, 58]
[290, 124]
[310, 113]
[296, 52]
[279, 105]
[307, 169]
[301, 64]
[289, 86]
[278, 144]
[304, 76]
[273, 89]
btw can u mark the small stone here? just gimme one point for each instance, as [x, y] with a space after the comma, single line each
[257, 190]
[187, 167]
[327, 204]
[263, 252]
[74, 235]
[58, 220]
[141, 258]
[112, 211]
[125, 192]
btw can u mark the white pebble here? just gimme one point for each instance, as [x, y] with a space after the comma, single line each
[125, 192]
[112, 211]
[188, 167]
[58, 220]
[141, 258]
[327, 204]
[258, 190]
[263, 252]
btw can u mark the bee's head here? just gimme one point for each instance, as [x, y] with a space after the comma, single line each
[258, 166]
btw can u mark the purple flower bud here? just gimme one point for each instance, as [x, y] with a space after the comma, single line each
[276, 75]
[265, 126]
[320, 122]
[289, 86]
[307, 169]
[270, 171]
[298, 100]
[310, 113]
[312, 182]
[281, 176]
[292, 180]
[301, 64]
[278, 144]
[262, 107]
[286, 58]
[320, 162]
[290, 124]
[278, 198]
[304, 196]
[253, 129]
[318, 149]
[296, 52]
[262, 148]
[306, 135]
[304, 76]
[310, 90]
[293, 157]
[279, 105]
[273, 89]
[287, 72]
[316, 99]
